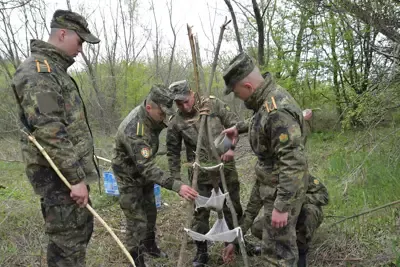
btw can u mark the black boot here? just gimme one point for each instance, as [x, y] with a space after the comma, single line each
[201, 258]
[138, 258]
[151, 247]
[252, 249]
[302, 258]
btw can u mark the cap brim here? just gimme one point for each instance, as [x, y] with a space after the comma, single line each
[167, 111]
[227, 90]
[88, 37]
[182, 97]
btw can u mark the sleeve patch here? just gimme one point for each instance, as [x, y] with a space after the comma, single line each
[283, 138]
[145, 152]
[294, 131]
[316, 182]
[47, 102]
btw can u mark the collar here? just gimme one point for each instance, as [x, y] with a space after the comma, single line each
[256, 100]
[51, 52]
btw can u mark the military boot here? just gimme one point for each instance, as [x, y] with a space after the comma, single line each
[138, 258]
[201, 258]
[302, 258]
[252, 249]
[151, 248]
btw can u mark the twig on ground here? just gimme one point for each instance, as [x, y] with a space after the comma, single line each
[366, 212]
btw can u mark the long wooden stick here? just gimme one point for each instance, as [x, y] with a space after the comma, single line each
[366, 212]
[95, 214]
[194, 59]
[228, 198]
[190, 207]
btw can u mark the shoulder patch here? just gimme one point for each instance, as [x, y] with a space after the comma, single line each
[270, 105]
[316, 182]
[140, 129]
[212, 97]
[145, 151]
[42, 67]
[283, 138]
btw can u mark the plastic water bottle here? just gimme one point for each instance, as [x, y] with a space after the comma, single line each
[110, 184]
[157, 195]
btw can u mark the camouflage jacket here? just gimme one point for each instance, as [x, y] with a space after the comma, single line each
[52, 110]
[277, 138]
[185, 127]
[136, 145]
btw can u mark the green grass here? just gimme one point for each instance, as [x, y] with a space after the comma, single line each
[360, 169]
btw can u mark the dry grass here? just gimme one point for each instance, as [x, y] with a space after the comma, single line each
[371, 240]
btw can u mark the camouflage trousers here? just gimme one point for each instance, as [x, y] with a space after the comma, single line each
[139, 207]
[310, 218]
[201, 218]
[69, 229]
[279, 245]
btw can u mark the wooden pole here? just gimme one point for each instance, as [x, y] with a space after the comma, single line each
[228, 198]
[95, 214]
[194, 58]
[190, 207]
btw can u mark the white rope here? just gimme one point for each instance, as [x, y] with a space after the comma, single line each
[103, 159]
[210, 168]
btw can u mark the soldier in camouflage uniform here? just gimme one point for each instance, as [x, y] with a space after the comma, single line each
[184, 126]
[136, 146]
[310, 218]
[276, 136]
[52, 110]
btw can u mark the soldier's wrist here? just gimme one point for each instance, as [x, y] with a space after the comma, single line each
[281, 206]
[176, 185]
[75, 176]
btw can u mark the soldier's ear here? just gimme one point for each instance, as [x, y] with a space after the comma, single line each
[61, 34]
[148, 107]
[248, 86]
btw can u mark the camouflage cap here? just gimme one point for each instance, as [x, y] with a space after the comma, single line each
[239, 67]
[65, 19]
[180, 90]
[160, 95]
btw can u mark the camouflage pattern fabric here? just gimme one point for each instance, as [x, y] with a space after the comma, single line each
[185, 127]
[277, 138]
[52, 110]
[238, 68]
[65, 19]
[69, 229]
[310, 218]
[136, 145]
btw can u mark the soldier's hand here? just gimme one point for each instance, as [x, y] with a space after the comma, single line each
[228, 254]
[187, 192]
[279, 219]
[232, 133]
[228, 156]
[80, 194]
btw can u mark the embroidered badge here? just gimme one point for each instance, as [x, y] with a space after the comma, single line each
[316, 182]
[145, 152]
[283, 138]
